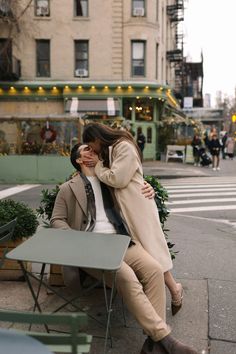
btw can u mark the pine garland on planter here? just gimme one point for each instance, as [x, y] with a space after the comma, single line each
[161, 196]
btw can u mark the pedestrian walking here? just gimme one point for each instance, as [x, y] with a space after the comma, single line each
[196, 144]
[230, 143]
[120, 167]
[223, 138]
[215, 148]
[206, 140]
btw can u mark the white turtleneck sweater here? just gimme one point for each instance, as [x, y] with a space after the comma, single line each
[102, 223]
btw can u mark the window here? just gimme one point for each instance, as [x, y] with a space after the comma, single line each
[138, 58]
[5, 56]
[81, 59]
[143, 109]
[127, 108]
[81, 8]
[138, 8]
[149, 135]
[42, 8]
[43, 58]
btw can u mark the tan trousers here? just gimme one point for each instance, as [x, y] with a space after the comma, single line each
[140, 282]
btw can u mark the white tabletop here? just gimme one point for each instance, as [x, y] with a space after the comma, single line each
[12, 342]
[73, 248]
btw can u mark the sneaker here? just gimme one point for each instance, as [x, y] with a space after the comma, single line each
[218, 168]
[214, 169]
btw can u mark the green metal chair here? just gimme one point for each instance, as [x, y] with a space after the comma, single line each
[6, 233]
[73, 341]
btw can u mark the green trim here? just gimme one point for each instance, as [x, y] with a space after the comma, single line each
[32, 98]
[86, 84]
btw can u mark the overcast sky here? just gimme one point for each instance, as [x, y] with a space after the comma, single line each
[210, 26]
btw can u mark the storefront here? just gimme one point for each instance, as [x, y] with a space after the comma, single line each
[40, 122]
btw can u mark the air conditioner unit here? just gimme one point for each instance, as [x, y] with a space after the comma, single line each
[138, 11]
[42, 11]
[81, 72]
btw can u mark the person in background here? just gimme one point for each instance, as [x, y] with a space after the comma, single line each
[230, 143]
[215, 148]
[119, 166]
[206, 140]
[196, 144]
[223, 138]
[141, 141]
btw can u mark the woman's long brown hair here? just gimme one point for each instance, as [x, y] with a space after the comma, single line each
[108, 137]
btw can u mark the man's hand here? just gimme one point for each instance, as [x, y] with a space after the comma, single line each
[148, 191]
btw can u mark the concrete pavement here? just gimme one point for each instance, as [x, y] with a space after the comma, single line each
[205, 265]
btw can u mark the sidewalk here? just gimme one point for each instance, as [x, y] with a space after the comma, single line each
[163, 170]
[205, 266]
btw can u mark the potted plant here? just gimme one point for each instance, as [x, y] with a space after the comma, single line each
[26, 226]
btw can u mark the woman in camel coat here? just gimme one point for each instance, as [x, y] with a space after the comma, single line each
[121, 169]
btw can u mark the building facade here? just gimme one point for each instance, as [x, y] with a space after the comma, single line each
[66, 62]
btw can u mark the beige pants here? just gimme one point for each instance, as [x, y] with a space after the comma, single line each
[140, 282]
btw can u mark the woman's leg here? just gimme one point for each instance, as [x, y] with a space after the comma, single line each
[176, 291]
[213, 161]
[217, 161]
[174, 287]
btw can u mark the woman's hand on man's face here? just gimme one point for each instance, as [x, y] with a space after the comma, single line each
[91, 160]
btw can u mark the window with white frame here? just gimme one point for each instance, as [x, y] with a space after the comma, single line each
[42, 7]
[81, 8]
[138, 8]
[138, 58]
[81, 58]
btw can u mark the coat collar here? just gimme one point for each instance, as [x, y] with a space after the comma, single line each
[77, 186]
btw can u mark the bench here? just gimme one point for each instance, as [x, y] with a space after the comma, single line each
[175, 152]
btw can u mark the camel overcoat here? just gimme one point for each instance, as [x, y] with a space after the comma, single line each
[70, 208]
[125, 175]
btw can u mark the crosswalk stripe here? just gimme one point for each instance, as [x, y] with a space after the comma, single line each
[200, 186]
[208, 190]
[201, 180]
[197, 194]
[18, 189]
[198, 201]
[201, 194]
[206, 208]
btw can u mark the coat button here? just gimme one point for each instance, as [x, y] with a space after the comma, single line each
[84, 221]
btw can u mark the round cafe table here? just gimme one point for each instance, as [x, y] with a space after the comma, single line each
[12, 342]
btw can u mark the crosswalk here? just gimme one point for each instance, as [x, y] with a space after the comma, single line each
[201, 194]
[5, 193]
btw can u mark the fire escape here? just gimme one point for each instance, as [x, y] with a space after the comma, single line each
[175, 56]
[10, 66]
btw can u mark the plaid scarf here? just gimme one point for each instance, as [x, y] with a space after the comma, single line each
[111, 213]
